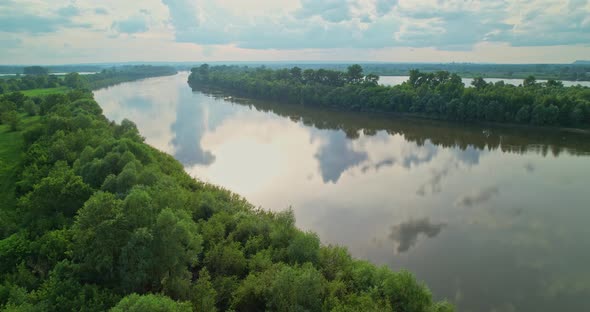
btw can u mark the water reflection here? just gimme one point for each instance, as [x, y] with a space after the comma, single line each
[336, 155]
[406, 233]
[396, 80]
[189, 127]
[479, 197]
[493, 218]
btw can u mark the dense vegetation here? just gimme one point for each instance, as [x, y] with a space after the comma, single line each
[19, 69]
[37, 77]
[439, 95]
[578, 71]
[95, 219]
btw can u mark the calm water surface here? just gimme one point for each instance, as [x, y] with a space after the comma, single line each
[396, 80]
[494, 219]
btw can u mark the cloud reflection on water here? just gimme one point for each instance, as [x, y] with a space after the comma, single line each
[405, 234]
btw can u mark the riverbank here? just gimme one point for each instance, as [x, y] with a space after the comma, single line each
[121, 217]
[487, 193]
[438, 95]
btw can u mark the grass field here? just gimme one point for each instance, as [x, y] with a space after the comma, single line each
[11, 149]
[42, 92]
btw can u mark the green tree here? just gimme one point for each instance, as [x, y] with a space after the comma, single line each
[529, 81]
[30, 107]
[35, 70]
[11, 119]
[354, 74]
[55, 199]
[479, 83]
[152, 303]
[203, 294]
[372, 79]
[74, 80]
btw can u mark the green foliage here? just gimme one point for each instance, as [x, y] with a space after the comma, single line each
[281, 288]
[203, 295]
[35, 70]
[152, 303]
[37, 81]
[439, 95]
[102, 216]
[11, 119]
[30, 107]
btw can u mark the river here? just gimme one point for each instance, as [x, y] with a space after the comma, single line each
[396, 80]
[491, 218]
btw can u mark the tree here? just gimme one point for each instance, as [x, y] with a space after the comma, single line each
[35, 70]
[296, 74]
[30, 107]
[551, 83]
[479, 83]
[529, 81]
[372, 79]
[354, 74]
[73, 80]
[150, 302]
[203, 294]
[175, 250]
[11, 119]
[523, 115]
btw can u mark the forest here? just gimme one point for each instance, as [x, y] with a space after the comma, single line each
[37, 77]
[577, 71]
[436, 95]
[94, 219]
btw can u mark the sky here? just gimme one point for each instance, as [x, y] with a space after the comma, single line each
[491, 31]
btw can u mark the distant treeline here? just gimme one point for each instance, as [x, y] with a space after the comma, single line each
[37, 77]
[95, 219]
[579, 71]
[15, 69]
[439, 95]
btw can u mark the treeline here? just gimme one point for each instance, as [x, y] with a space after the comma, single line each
[438, 95]
[37, 77]
[116, 75]
[104, 221]
[19, 69]
[547, 141]
[578, 71]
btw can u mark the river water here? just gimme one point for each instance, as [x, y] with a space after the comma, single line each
[491, 218]
[396, 80]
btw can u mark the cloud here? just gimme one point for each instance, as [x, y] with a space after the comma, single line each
[17, 22]
[450, 25]
[478, 197]
[189, 128]
[469, 156]
[134, 24]
[434, 182]
[101, 11]
[8, 43]
[405, 234]
[336, 155]
[68, 11]
[329, 10]
[384, 6]
[263, 30]
[529, 167]
[546, 23]
[423, 155]
[388, 162]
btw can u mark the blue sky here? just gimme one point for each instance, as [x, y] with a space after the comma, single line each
[79, 31]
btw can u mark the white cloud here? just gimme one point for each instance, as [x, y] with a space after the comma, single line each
[386, 30]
